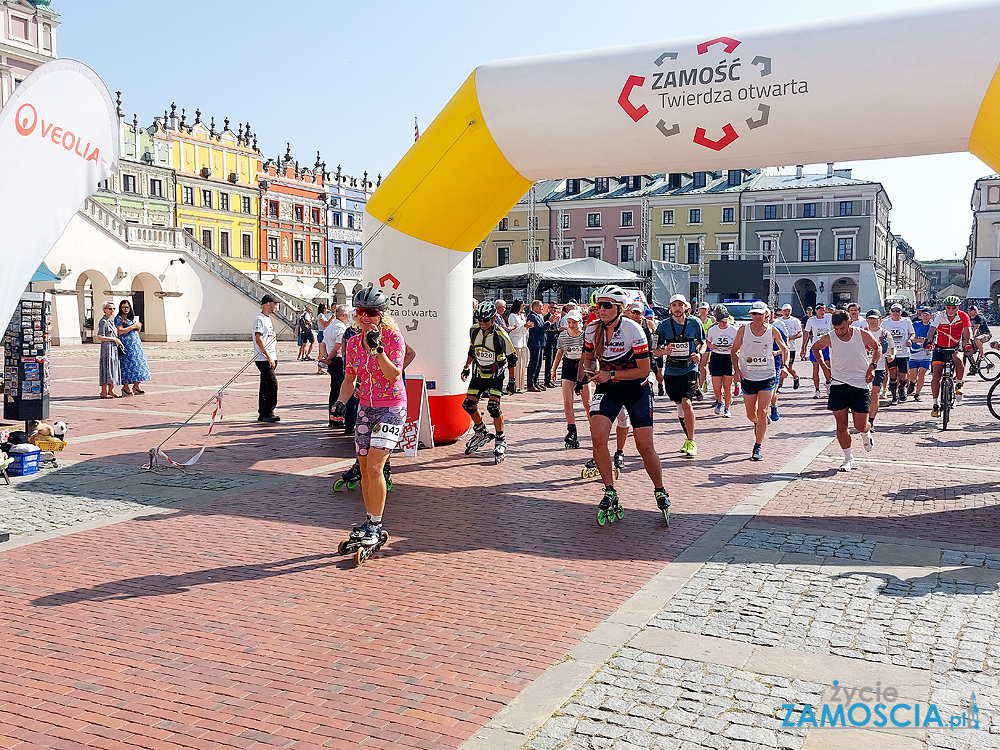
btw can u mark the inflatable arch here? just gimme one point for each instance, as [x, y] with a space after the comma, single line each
[901, 84]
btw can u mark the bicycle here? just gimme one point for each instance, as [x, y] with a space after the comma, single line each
[946, 385]
[986, 365]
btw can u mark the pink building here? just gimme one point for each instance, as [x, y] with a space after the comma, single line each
[27, 39]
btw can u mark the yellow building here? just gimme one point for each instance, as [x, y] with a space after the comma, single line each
[508, 240]
[217, 193]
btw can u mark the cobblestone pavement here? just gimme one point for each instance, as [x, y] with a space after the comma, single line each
[207, 609]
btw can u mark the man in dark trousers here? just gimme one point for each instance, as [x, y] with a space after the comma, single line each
[551, 336]
[265, 355]
[536, 344]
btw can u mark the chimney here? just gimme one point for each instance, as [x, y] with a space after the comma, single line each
[798, 172]
[829, 169]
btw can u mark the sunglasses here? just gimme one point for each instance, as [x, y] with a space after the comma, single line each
[950, 307]
[605, 305]
[369, 312]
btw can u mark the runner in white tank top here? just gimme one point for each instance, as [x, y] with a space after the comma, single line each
[854, 355]
[753, 362]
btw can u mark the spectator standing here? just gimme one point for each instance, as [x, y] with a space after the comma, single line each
[536, 343]
[306, 338]
[110, 370]
[551, 337]
[135, 368]
[324, 316]
[265, 355]
[518, 334]
[335, 331]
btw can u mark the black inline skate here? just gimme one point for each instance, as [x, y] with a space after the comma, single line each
[610, 508]
[499, 449]
[590, 470]
[364, 541]
[480, 437]
[619, 461]
[663, 503]
[572, 440]
[352, 477]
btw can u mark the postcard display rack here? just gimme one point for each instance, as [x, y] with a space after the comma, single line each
[26, 360]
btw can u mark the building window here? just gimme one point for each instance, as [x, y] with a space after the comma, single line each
[245, 200]
[477, 258]
[350, 221]
[594, 251]
[633, 183]
[224, 243]
[350, 257]
[206, 198]
[272, 209]
[668, 217]
[156, 188]
[298, 256]
[692, 253]
[224, 201]
[734, 178]
[694, 216]
[19, 27]
[272, 248]
[503, 225]
[532, 253]
[503, 256]
[845, 248]
[627, 253]
[668, 252]
[47, 37]
[338, 256]
[297, 212]
[189, 230]
[699, 179]
[314, 213]
[626, 218]
[846, 208]
[674, 180]
[770, 212]
[726, 250]
[188, 195]
[206, 238]
[727, 215]
[765, 248]
[572, 187]
[602, 184]
[593, 221]
[314, 253]
[128, 183]
[334, 220]
[808, 250]
[564, 221]
[808, 210]
[247, 248]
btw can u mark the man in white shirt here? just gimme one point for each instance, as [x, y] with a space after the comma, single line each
[335, 359]
[265, 356]
[898, 368]
[816, 328]
[793, 329]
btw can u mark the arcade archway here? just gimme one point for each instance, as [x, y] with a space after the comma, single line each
[148, 304]
[92, 288]
[803, 296]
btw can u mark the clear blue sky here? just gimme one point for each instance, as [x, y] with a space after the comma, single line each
[347, 79]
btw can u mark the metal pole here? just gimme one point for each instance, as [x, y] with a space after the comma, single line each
[647, 256]
[532, 273]
[701, 269]
[772, 297]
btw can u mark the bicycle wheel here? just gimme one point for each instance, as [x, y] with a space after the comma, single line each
[947, 399]
[989, 365]
[993, 399]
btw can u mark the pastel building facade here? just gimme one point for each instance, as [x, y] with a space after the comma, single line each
[508, 242]
[346, 199]
[27, 40]
[982, 257]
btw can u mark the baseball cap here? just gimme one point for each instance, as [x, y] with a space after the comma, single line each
[786, 306]
[704, 306]
[574, 315]
[873, 313]
[758, 307]
[896, 307]
[648, 312]
[636, 306]
[267, 298]
[678, 298]
[819, 305]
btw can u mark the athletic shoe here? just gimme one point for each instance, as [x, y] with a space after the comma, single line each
[659, 389]
[868, 440]
[909, 388]
[692, 449]
[817, 394]
[718, 407]
[916, 397]
[935, 411]
[795, 383]
[774, 414]
[685, 445]
[698, 395]
[269, 418]
[958, 398]
[847, 465]
[755, 456]
[726, 413]
[902, 395]
[893, 401]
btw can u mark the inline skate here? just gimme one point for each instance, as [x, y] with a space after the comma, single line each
[480, 437]
[352, 477]
[590, 470]
[572, 439]
[364, 541]
[499, 449]
[663, 503]
[610, 508]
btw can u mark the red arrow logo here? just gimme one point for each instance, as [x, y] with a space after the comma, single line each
[729, 135]
[391, 279]
[731, 45]
[636, 113]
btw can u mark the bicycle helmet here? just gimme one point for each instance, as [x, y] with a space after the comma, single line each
[952, 300]
[371, 297]
[614, 293]
[487, 310]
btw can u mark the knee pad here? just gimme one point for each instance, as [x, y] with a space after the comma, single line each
[470, 405]
[493, 408]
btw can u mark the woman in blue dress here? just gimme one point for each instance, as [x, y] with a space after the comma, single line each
[135, 369]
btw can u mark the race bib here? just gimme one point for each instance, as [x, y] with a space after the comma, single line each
[384, 431]
[680, 350]
[485, 357]
[595, 403]
[756, 360]
[574, 352]
[723, 342]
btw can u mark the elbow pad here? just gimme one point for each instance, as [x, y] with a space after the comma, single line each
[511, 360]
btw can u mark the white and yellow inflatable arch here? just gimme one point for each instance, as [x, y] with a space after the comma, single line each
[923, 82]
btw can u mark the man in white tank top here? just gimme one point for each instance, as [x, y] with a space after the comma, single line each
[854, 356]
[753, 365]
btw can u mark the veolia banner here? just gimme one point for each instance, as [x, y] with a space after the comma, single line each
[58, 139]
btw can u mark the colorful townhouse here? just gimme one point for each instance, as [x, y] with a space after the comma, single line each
[217, 194]
[347, 197]
[27, 40]
[293, 226]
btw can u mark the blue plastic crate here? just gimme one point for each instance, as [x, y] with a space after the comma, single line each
[24, 464]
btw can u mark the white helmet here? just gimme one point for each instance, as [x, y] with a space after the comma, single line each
[614, 293]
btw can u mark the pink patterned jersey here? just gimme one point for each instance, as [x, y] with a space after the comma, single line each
[375, 389]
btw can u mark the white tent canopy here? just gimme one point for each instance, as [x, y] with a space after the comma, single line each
[589, 271]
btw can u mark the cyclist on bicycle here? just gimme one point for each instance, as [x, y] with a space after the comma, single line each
[949, 330]
[980, 330]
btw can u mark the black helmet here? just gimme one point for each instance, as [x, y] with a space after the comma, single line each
[487, 310]
[371, 297]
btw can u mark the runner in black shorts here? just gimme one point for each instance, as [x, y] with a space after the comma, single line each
[616, 358]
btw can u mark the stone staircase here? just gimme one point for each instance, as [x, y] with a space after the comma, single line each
[172, 238]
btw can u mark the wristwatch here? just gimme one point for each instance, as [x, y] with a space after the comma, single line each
[612, 371]
[379, 349]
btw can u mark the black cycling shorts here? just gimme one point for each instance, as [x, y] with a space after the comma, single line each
[900, 364]
[720, 365]
[843, 396]
[492, 387]
[753, 387]
[636, 399]
[570, 369]
[680, 387]
[942, 355]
